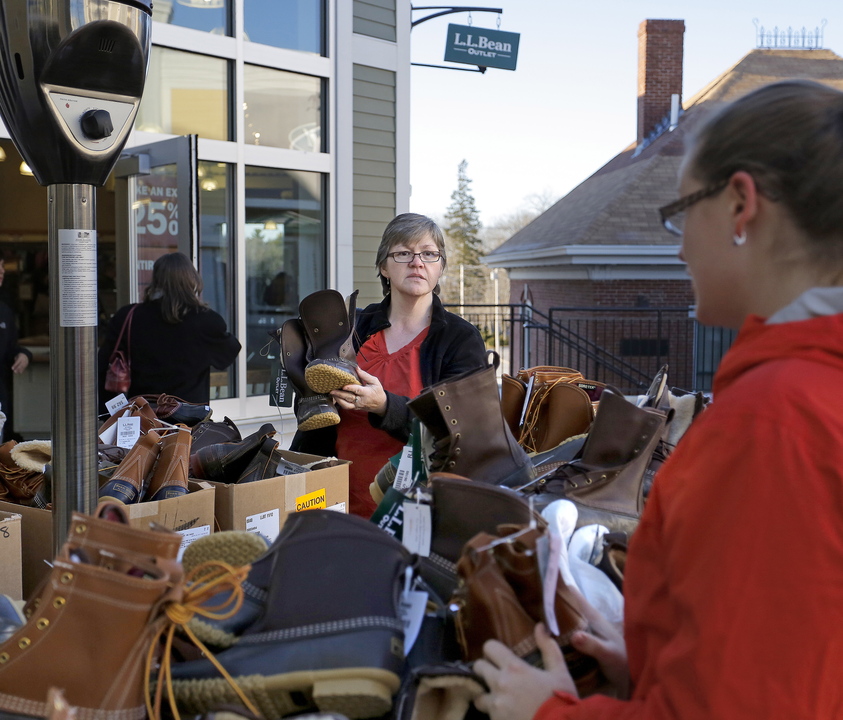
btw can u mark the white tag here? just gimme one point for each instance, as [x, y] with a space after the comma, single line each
[417, 528]
[265, 524]
[527, 399]
[411, 609]
[337, 507]
[404, 476]
[547, 549]
[109, 437]
[116, 403]
[191, 534]
[128, 431]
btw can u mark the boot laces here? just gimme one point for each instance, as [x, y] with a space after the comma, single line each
[201, 584]
[442, 450]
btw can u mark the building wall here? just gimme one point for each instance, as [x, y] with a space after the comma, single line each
[375, 18]
[374, 171]
[606, 293]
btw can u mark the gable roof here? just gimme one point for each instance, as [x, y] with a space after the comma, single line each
[617, 205]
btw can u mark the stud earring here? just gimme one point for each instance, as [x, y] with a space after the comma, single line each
[739, 239]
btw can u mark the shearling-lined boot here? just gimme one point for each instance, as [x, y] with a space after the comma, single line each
[471, 434]
[330, 634]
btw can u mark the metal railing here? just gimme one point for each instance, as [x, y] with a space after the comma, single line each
[623, 347]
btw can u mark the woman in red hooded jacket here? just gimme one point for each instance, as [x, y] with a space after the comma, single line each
[734, 579]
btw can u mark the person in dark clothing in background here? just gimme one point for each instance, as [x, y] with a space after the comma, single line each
[13, 358]
[175, 337]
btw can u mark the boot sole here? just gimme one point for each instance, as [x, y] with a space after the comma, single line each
[354, 692]
[324, 378]
[320, 420]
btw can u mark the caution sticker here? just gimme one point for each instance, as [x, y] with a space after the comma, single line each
[311, 501]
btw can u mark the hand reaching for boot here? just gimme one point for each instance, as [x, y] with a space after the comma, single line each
[369, 396]
[516, 689]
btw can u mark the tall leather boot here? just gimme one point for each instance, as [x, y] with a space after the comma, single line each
[513, 395]
[225, 462]
[91, 632]
[330, 634]
[169, 479]
[314, 410]
[557, 412]
[606, 481]
[127, 483]
[472, 437]
[329, 327]
[209, 432]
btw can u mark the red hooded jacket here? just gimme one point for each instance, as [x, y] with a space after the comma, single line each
[734, 580]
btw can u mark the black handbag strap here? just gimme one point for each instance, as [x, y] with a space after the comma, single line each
[127, 324]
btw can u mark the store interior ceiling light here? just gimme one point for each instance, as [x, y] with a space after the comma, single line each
[203, 3]
[270, 225]
[2, 154]
[26, 170]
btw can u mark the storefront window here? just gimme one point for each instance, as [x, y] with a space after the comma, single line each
[185, 93]
[290, 24]
[282, 109]
[285, 256]
[215, 257]
[209, 15]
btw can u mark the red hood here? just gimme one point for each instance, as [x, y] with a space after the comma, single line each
[818, 339]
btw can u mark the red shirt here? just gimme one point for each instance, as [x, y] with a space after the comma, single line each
[368, 448]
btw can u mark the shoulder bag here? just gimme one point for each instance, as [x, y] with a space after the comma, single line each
[118, 377]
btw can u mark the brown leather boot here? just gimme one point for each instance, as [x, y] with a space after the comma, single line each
[472, 437]
[606, 481]
[329, 327]
[91, 632]
[210, 433]
[169, 479]
[21, 484]
[127, 483]
[513, 395]
[314, 410]
[137, 407]
[557, 412]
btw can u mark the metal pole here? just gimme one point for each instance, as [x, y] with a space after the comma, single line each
[497, 314]
[462, 289]
[73, 352]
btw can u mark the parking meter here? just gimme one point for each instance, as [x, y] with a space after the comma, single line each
[71, 78]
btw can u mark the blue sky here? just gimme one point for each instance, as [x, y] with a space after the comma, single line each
[571, 104]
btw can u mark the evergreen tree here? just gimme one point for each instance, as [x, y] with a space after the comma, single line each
[464, 223]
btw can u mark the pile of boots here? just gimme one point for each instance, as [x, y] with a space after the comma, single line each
[317, 351]
[92, 624]
[322, 628]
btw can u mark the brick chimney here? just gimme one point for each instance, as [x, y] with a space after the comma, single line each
[659, 70]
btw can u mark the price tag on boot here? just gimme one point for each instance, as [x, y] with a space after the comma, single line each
[411, 609]
[116, 403]
[547, 549]
[417, 528]
[128, 431]
[404, 475]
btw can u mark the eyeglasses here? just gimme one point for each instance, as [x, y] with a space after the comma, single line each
[673, 215]
[405, 256]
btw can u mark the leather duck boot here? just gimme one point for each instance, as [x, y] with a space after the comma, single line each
[314, 410]
[174, 410]
[559, 411]
[127, 483]
[513, 395]
[209, 432]
[606, 480]
[268, 462]
[90, 635]
[329, 327]
[471, 434]
[330, 634]
[225, 462]
[169, 478]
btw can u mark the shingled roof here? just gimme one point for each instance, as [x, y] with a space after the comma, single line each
[618, 204]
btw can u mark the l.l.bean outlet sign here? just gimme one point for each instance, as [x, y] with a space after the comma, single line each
[479, 46]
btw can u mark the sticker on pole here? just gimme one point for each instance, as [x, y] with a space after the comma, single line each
[78, 278]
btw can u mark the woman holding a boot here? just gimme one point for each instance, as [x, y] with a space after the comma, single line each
[404, 344]
[734, 579]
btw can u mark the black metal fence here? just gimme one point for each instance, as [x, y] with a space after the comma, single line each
[624, 347]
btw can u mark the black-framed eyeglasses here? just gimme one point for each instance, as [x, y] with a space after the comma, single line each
[673, 215]
[405, 256]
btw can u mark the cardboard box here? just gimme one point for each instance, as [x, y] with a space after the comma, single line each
[263, 506]
[192, 515]
[11, 573]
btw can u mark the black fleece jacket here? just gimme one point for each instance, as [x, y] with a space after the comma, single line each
[452, 346]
